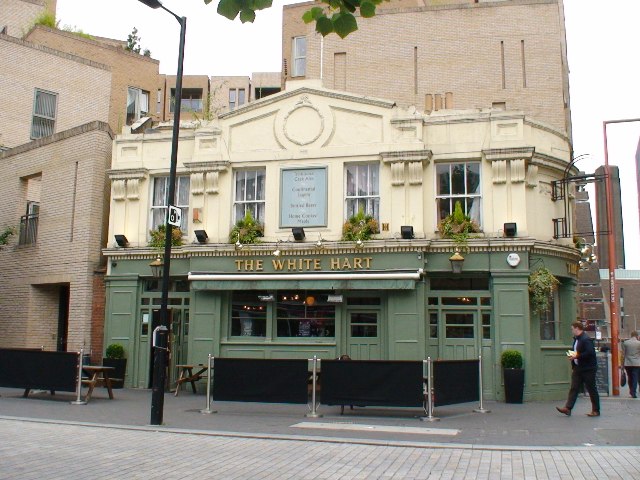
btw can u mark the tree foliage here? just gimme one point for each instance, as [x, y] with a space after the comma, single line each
[333, 16]
[4, 236]
[133, 43]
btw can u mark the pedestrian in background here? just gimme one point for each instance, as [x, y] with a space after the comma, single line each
[583, 371]
[631, 354]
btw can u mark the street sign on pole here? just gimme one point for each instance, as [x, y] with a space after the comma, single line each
[175, 216]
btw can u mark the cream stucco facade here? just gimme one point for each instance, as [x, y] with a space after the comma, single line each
[307, 126]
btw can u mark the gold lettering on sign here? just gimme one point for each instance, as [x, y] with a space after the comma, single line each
[249, 265]
[306, 264]
[572, 268]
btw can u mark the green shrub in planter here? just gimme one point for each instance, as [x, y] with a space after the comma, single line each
[115, 350]
[513, 375]
[511, 359]
[114, 357]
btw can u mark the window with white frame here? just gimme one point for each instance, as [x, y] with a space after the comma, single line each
[137, 104]
[44, 114]
[549, 319]
[362, 189]
[159, 201]
[458, 182]
[237, 97]
[299, 56]
[249, 194]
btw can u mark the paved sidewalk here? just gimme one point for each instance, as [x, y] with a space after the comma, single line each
[47, 437]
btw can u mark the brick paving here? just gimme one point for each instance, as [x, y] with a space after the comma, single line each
[36, 450]
[44, 436]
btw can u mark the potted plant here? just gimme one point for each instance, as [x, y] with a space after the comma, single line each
[360, 226]
[458, 226]
[513, 376]
[158, 236]
[247, 230]
[114, 357]
[542, 283]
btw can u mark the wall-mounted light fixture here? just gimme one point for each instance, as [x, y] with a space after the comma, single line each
[298, 233]
[121, 241]
[277, 252]
[510, 229]
[238, 245]
[319, 243]
[456, 262]
[359, 244]
[406, 231]
[156, 267]
[201, 236]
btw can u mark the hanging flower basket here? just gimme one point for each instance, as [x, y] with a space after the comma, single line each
[247, 230]
[542, 284]
[158, 236]
[458, 227]
[359, 227]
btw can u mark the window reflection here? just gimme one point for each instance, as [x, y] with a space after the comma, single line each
[305, 314]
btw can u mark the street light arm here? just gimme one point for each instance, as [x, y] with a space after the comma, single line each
[178, 18]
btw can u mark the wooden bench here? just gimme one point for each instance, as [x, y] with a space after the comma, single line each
[98, 376]
[187, 375]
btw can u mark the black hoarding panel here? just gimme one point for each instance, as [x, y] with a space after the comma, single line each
[455, 381]
[373, 383]
[252, 380]
[37, 369]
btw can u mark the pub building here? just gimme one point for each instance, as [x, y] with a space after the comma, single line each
[303, 162]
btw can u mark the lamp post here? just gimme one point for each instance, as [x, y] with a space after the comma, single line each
[160, 350]
[614, 310]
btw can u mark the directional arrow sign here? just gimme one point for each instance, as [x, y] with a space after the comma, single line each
[175, 216]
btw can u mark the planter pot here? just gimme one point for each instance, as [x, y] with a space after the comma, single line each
[120, 365]
[513, 385]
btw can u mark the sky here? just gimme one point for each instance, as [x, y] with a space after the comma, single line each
[603, 41]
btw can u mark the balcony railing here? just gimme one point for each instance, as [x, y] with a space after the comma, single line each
[28, 229]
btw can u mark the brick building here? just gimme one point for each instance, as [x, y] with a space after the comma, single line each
[433, 54]
[50, 270]
[48, 91]
[135, 79]
[17, 16]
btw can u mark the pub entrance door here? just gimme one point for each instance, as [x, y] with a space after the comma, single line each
[363, 335]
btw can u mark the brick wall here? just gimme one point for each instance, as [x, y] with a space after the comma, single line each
[68, 248]
[220, 87]
[128, 69]
[188, 81]
[18, 15]
[82, 88]
[462, 47]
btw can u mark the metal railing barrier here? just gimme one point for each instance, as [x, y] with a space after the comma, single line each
[207, 409]
[314, 377]
[78, 400]
[481, 408]
[429, 417]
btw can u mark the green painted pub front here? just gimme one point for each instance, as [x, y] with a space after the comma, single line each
[398, 302]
